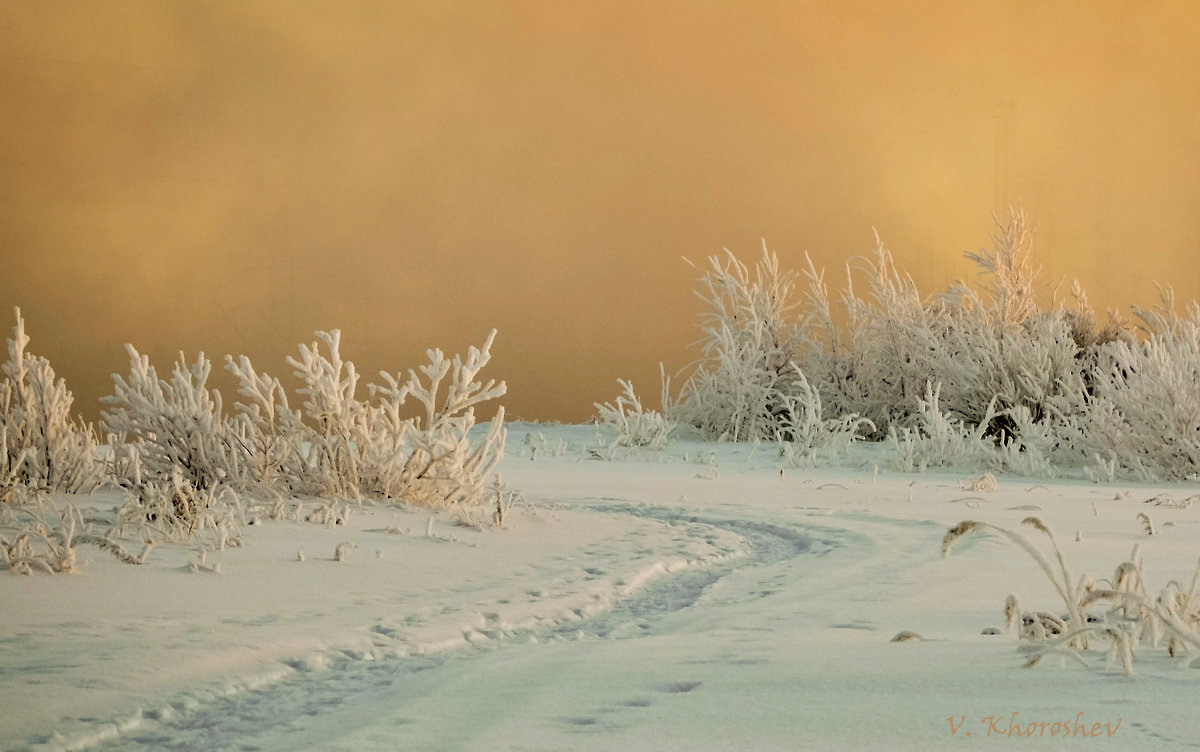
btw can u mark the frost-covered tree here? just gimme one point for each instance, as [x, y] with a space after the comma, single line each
[42, 446]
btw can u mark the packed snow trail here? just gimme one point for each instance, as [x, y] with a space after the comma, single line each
[313, 709]
[754, 652]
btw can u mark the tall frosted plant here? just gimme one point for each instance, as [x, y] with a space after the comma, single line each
[895, 337]
[42, 447]
[748, 341]
[1016, 354]
[272, 433]
[338, 429]
[441, 467]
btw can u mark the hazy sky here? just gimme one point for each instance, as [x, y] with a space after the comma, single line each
[231, 176]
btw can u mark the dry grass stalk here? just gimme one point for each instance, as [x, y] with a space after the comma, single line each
[985, 484]
[1142, 619]
[1012, 613]
[50, 547]
[1147, 523]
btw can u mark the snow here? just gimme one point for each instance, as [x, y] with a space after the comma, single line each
[643, 602]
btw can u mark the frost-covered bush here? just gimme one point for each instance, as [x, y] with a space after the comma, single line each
[177, 425]
[1143, 398]
[746, 385]
[1003, 347]
[174, 450]
[880, 367]
[187, 462]
[631, 424]
[991, 350]
[974, 376]
[803, 431]
[748, 341]
[42, 447]
[441, 467]
[340, 446]
[337, 433]
[270, 432]
[938, 439]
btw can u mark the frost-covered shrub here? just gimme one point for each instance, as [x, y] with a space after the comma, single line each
[975, 375]
[991, 350]
[337, 432]
[440, 468]
[747, 345]
[893, 341]
[938, 439]
[176, 425]
[42, 447]
[803, 431]
[730, 397]
[185, 454]
[1002, 347]
[268, 429]
[174, 450]
[632, 425]
[340, 446]
[1143, 399]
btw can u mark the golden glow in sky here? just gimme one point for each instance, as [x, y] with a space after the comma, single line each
[231, 176]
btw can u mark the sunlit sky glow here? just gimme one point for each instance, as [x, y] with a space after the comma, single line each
[231, 176]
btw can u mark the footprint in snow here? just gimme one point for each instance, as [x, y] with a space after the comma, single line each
[676, 688]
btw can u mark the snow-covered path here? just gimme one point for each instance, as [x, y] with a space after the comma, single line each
[637, 604]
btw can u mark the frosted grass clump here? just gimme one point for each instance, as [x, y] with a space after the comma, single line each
[34, 541]
[938, 440]
[1132, 618]
[803, 431]
[630, 424]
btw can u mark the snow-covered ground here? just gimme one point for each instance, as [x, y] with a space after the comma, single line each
[694, 599]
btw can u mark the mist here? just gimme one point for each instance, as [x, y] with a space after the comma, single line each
[229, 177]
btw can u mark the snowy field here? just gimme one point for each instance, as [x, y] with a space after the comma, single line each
[697, 598]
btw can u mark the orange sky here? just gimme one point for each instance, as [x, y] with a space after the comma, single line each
[231, 176]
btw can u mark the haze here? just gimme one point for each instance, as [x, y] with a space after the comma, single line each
[231, 176]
